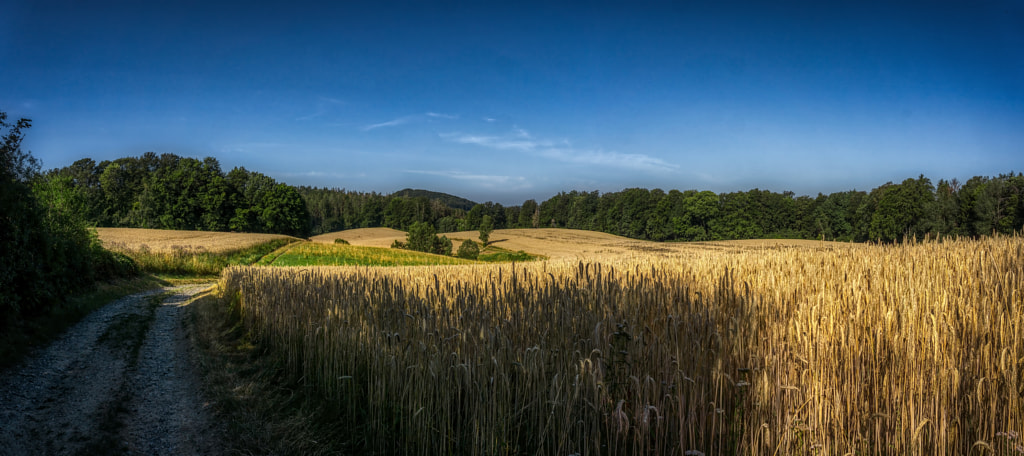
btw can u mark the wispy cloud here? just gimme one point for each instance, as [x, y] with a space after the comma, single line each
[561, 150]
[253, 147]
[323, 106]
[482, 180]
[610, 159]
[441, 116]
[390, 123]
[331, 175]
[499, 142]
[410, 119]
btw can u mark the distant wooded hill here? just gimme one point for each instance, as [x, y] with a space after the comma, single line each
[172, 192]
[451, 201]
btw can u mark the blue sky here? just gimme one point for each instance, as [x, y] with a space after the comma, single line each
[515, 100]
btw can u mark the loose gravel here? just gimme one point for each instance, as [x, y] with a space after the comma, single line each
[121, 381]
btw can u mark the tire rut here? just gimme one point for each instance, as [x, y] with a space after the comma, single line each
[119, 382]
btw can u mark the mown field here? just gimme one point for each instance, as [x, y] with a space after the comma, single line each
[643, 348]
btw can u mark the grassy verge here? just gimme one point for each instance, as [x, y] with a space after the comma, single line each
[192, 262]
[266, 409]
[22, 337]
[492, 254]
[271, 257]
[315, 254]
[185, 279]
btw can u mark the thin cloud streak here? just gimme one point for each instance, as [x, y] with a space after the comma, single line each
[325, 174]
[484, 180]
[390, 123]
[322, 107]
[610, 159]
[253, 147]
[409, 119]
[499, 143]
[563, 152]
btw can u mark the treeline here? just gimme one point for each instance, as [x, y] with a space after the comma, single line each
[47, 252]
[913, 208]
[171, 192]
[333, 209]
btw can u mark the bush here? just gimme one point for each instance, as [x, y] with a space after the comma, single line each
[469, 250]
[47, 251]
[341, 241]
[502, 257]
[442, 246]
[109, 265]
[486, 227]
[422, 238]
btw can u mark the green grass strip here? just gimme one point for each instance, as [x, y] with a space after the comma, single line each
[315, 254]
[184, 262]
[495, 254]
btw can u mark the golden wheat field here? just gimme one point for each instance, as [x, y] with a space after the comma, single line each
[170, 240]
[558, 243]
[907, 349]
[369, 237]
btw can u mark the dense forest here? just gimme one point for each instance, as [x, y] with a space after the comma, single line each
[172, 192]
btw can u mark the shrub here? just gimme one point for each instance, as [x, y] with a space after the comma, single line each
[500, 257]
[469, 250]
[109, 265]
[442, 246]
[422, 238]
[486, 227]
[46, 250]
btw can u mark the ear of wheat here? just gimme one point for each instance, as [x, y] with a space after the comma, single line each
[906, 349]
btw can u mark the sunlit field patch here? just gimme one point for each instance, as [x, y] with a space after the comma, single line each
[171, 240]
[908, 349]
[316, 254]
[190, 253]
[559, 243]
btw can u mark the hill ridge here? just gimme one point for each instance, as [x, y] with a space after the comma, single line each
[452, 201]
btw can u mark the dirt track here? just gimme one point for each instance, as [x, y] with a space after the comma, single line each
[118, 382]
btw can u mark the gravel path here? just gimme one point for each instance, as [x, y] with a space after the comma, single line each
[119, 382]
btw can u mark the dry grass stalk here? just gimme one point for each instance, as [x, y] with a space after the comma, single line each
[910, 349]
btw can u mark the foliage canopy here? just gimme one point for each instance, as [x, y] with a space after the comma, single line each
[47, 251]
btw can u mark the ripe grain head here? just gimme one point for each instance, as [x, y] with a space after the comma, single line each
[736, 350]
